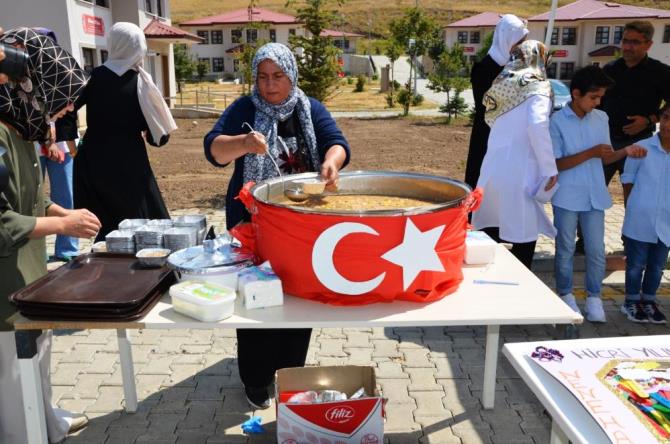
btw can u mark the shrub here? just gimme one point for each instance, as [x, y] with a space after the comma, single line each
[417, 100]
[396, 85]
[350, 81]
[375, 77]
[360, 83]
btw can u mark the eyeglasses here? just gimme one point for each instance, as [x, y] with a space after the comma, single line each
[633, 42]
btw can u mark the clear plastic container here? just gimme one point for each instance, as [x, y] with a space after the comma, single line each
[204, 301]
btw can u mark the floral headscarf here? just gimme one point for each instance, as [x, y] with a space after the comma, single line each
[524, 76]
[54, 80]
[259, 167]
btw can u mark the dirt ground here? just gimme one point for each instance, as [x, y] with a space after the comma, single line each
[427, 146]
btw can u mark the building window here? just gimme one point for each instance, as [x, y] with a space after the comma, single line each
[569, 36]
[88, 57]
[472, 59]
[291, 31]
[217, 37]
[666, 34]
[554, 35]
[204, 35]
[236, 65]
[475, 36]
[148, 6]
[342, 44]
[236, 35]
[206, 61]
[596, 64]
[104, 55]
[273, 35]
[103, 3]
[217, 64]
[462, 36]
[159, 8]
[551, 70]
[252, 35]
[618, 35]
[567, 69]
[602, 35]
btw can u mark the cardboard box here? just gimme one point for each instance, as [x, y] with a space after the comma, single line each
[351, 421]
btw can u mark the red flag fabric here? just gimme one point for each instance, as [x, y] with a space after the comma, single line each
[356, 260]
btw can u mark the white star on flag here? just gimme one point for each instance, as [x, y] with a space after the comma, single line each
[416, 253]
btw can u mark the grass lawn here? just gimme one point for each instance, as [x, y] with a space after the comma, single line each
[219, 96]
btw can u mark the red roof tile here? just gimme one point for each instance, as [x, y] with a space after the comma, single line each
[476, 21]
[241, 16]
[156, 29]
[605, 51]
[598, 10]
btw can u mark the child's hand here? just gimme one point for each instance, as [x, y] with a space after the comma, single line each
[603, 150]
[635, 151]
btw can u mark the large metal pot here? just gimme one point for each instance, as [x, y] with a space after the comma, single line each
[350, 257]
[445, 192]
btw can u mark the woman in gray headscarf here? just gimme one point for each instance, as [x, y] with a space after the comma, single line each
[27, 106]
[277, 108]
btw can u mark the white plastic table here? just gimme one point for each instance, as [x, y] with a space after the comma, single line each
[493, 305]
[570, 420]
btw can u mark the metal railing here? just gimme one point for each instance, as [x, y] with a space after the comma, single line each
[204, 98]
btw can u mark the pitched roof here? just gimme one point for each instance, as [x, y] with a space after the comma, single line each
[601, 10]
[333, 33]
[156, 29]
[479, 20]
[605, 51]
[242, 16]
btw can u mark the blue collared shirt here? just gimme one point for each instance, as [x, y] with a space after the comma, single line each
[583, 187]
[648, 208]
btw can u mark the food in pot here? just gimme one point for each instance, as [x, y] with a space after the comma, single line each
[359, 202]
[312, 186]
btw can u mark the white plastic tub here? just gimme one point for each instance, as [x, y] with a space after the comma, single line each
[204, 301]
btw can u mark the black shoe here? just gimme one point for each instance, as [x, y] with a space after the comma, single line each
[654, 314]
[634, 312]
[258, 397]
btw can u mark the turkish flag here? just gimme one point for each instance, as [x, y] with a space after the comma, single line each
[355, 260]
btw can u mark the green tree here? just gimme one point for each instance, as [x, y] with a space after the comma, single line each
[317, 56]
[393, 52]
[486, 45]
[416, 33]
[183, 65]
[449, 77]
[201, 68]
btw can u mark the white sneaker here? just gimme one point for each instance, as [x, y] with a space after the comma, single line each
[569, 300]
[594, 310]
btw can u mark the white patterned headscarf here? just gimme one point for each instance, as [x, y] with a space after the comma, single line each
[524, 76]
[259, 167]
[54, 81]
[510, 29]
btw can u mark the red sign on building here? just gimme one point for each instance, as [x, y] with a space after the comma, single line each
[468, 49]
[560, 53]
[93, 25]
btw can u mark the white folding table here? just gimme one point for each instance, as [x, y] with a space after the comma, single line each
[529, 302]
[570, 420]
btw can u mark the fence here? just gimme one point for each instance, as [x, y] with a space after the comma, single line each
[204, 98]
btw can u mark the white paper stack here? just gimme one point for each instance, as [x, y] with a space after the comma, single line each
[260, 287]
[480, 249]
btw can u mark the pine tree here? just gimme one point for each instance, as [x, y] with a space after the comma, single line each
[316, 54]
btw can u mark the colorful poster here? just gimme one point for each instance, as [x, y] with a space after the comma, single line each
[626, 390]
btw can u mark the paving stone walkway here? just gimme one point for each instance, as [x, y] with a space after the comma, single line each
[190, 391]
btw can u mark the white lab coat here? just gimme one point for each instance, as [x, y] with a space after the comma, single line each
[519, 157]
[12, 419]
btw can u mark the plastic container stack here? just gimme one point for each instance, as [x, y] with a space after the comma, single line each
[120, 241]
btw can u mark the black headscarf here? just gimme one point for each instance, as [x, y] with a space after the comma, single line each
[54, 80]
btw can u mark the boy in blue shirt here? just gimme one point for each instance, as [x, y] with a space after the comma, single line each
[646, 226]
[581, 141]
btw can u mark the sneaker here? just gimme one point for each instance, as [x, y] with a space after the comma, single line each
[569, 300]
[654, 314]
[594, 310]
[258, 397]
[634, 312]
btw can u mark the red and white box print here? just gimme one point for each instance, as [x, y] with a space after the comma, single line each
[337, 422]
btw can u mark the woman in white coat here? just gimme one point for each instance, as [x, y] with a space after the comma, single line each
[519, 165]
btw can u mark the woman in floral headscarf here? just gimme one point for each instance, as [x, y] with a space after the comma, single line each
[52, 83]
[519, 165]
[276, 108]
